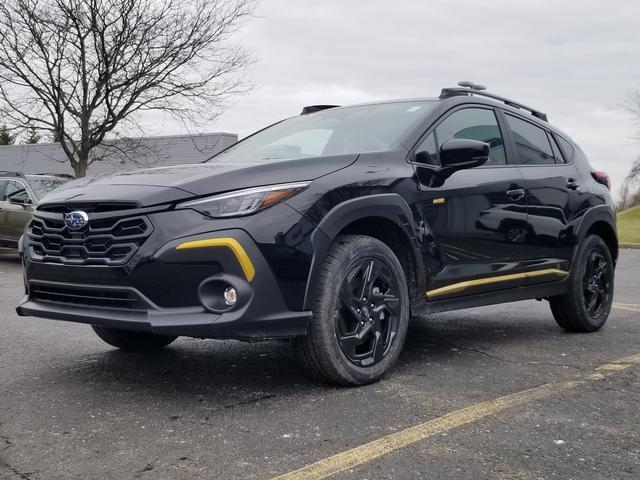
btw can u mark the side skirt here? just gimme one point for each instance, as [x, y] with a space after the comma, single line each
[492, 298]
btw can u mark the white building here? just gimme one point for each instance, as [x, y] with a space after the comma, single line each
[120, 155]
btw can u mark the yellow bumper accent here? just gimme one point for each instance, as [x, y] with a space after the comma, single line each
[459, 287]
[230, 243]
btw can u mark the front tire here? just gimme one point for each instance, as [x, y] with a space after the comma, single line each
[586, 307]
[132, 341]
[360, 314]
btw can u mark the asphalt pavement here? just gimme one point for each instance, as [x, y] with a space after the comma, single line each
[498, 392]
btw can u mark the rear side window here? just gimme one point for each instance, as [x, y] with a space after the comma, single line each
[565, 147]
[556, 151]
[531, 143]
[474, 124]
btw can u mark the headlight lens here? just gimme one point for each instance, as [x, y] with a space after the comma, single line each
[244, 202]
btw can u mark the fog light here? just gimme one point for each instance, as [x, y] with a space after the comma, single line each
[230, 296]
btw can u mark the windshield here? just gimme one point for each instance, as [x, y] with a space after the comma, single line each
[43, 185]
[335, 131]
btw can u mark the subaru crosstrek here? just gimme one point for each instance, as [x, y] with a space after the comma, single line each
[332, 229]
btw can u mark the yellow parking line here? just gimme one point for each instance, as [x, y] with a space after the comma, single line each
[389, 443]
[627, 306]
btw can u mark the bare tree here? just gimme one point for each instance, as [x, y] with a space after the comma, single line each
[85, 70]
[630, 189]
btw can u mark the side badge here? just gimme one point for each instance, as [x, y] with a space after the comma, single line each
[438, 201]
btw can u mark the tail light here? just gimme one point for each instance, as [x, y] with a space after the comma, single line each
[602, 178]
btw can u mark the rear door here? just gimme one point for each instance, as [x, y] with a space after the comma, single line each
[554, 194]
[477, 216]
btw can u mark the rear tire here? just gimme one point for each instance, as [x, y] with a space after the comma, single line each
[360, 314]
[586, 307]
[131, 340]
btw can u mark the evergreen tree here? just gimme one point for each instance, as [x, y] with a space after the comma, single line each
[5, 136]
[32, 135]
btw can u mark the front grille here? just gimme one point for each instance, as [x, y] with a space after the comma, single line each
[118, 299]
[105, 241]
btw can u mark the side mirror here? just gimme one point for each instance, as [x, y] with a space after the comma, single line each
[21, 199]
[458, 154]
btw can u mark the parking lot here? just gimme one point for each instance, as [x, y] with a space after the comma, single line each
[499, 392]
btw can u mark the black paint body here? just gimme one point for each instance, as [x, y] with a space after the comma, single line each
[444, 230]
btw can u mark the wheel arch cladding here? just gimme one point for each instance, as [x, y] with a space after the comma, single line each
[600, 221]
[605, 231]
[386, 217]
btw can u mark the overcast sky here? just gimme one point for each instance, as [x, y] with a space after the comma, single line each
[574, 60]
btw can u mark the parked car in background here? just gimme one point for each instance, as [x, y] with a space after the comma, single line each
[19, 195]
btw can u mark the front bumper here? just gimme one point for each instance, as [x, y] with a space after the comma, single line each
[164, 290]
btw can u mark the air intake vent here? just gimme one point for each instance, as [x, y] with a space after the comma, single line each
[115, 299]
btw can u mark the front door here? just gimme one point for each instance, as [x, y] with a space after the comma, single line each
[476, 217]
[13, 218]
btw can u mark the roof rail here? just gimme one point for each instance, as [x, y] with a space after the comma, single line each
[316, 108]
[11, 174]
[469, 88]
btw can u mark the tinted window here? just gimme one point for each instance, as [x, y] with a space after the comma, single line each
[566, 147]
[427, 152]
[531, 142]
[474, 124]
[556, 151]
[336, 131]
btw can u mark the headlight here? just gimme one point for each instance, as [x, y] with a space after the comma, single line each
[244, 202]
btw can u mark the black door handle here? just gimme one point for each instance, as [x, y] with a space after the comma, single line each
[515, 194]
[572, 184]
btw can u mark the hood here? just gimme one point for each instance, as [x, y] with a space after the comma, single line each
[152, 186]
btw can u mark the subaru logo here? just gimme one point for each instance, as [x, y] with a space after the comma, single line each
[76, 220]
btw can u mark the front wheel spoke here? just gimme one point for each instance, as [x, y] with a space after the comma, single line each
[372, 275]
[378, 347]
[349, 343]
[347, 298]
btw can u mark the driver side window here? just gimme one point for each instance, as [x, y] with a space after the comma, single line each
[12, 188]
[470, 124]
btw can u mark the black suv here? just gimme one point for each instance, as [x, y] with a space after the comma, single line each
[332, 229]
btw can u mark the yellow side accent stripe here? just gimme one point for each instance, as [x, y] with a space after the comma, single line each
[459, 287]
[232, 244]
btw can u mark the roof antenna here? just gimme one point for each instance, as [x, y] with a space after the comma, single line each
[471, 85]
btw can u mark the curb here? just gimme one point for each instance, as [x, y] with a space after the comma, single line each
[629, 245]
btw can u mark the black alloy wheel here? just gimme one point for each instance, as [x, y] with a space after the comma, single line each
[586, 305]
[596, 284]
[367, 315]
[360, 313]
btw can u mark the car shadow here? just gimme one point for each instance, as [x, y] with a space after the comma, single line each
[231, 373]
